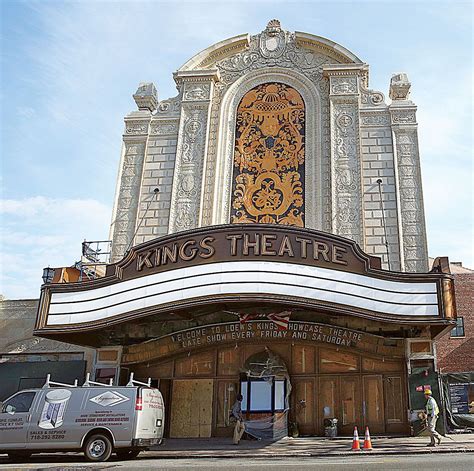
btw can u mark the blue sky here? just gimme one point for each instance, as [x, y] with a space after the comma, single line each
[69, 69]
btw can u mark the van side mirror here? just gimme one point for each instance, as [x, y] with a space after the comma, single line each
[1, 406]
[10, 409]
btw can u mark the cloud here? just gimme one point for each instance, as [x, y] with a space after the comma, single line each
[39, 232]
[25, 111]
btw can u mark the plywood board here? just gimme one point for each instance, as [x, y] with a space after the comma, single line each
[191, 408]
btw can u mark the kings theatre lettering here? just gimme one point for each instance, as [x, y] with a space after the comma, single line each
[225, 244]
[257, 244]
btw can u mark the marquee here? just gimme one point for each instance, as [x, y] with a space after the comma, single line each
[236, 263]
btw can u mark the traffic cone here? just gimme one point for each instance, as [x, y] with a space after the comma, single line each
[367, 440]
[355, 441]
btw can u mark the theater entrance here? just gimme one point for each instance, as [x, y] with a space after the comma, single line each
[289, 379]
[191, 408]
[355, 396]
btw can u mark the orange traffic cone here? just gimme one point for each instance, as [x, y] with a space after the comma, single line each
[355, 441]
[367, 440]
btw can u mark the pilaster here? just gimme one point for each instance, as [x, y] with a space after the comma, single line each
[197, 90]
[346, 185]
[129, 181]
[411, 216]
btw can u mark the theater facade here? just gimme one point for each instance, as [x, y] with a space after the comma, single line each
[268, 239]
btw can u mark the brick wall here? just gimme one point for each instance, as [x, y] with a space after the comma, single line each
[157, 173]
[378, 163]
[455, 354]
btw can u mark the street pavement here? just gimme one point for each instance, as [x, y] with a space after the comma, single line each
[403, 453]
[433, 462]
[309, 446]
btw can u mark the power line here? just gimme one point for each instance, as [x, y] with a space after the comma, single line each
[379, 182]
[155, 195]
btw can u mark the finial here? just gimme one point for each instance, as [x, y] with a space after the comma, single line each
[146, 97]
[399, 87]
[273, 27]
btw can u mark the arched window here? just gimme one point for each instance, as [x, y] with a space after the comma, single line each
[269, 155]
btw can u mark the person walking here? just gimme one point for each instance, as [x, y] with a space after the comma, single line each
[432, 413]
[236, 413]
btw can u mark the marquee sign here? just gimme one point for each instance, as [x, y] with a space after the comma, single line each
[258, 331]
[235, 263]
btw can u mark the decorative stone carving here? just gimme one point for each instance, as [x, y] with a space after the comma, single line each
[170, 107]
[128, 198]
[285, 53]
[415, 253]
[347, 192]
[343, 85]
[375, 119]
[185, 206]
[146, 97]
[272, 40]
[399, 87]
[197, 92]
[403, 116]
[346, 184]
[135, 128]
[164, 127]
[371, 97]
[293, 61]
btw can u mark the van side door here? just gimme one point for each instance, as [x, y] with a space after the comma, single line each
[15, 419]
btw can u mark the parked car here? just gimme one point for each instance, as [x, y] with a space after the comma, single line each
[96, 418]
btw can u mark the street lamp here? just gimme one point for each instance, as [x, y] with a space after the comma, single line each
[48, 274]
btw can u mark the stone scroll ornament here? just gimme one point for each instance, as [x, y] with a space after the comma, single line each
[269, 157]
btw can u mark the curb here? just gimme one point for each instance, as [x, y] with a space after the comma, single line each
[228, 455]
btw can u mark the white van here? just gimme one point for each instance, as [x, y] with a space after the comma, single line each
[96, 418]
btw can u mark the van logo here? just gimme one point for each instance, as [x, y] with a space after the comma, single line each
[109, 398]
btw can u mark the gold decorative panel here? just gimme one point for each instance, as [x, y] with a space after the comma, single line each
[268, 180]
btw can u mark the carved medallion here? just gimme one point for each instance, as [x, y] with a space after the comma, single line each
[269, 157]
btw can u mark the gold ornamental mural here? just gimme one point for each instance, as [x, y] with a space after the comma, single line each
[268, 179]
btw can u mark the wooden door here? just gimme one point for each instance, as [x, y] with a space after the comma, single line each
[303, 405]
[350, 404]
[373, 403]
[395, 404]
[191, 408]
[328, 400]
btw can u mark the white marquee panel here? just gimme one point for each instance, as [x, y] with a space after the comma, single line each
[241, 278]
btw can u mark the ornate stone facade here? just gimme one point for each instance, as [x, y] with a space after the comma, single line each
[354, 183]
[123, 224]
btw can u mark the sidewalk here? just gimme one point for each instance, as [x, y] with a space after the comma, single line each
[307, 446]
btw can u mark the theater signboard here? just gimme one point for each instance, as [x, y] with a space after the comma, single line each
[193, 309]
[238, 263]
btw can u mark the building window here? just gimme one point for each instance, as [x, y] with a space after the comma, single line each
[262, 395]
[458, 331]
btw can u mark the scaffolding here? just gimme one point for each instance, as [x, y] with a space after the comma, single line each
[94, 259]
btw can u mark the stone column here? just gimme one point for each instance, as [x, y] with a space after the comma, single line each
[124, 219]
[346, 181]
[197, 90]
[412, 229]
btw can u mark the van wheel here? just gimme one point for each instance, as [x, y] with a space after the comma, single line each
[127, 454]
[98, 448]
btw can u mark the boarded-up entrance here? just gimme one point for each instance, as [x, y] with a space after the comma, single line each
[191, 408]
[373, 404]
